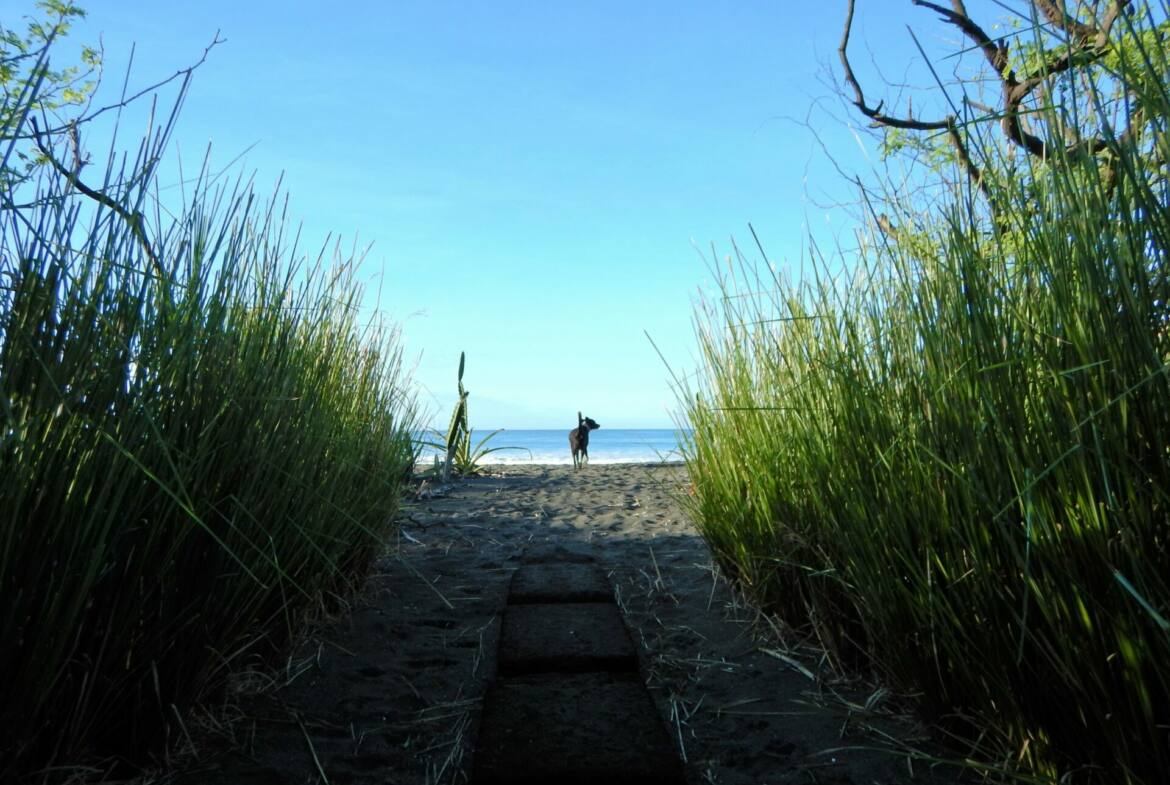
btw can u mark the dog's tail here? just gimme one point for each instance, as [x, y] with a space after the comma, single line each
[580, 420]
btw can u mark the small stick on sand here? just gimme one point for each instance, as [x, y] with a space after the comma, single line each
[312, 751]
[430, 585]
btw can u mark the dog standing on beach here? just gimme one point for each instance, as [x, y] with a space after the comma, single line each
[579, 440]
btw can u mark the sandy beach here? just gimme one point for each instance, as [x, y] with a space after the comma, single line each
[392, 690]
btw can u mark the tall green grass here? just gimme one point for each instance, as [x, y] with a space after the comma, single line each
[953, 461]
[193, 454]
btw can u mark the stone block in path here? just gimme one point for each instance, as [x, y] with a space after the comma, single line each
[566, 638]
[573, 729]
[559, 582]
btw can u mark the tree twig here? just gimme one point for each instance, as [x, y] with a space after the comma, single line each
[875, 113]
[126, 101]
[134, 220]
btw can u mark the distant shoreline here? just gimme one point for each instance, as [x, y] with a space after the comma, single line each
[490, 467]
[609, 446]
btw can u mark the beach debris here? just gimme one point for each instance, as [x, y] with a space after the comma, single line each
[429, 490]
[791, 662]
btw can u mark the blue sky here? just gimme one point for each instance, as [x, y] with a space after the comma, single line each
[540, 182]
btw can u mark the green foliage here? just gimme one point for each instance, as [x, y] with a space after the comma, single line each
[191, 462]
[28, 83]
[458, 441]
[953, 467]
[469, 462]
[462, 457]
[934, 151]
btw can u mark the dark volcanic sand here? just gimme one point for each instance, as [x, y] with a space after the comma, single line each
[393, 692]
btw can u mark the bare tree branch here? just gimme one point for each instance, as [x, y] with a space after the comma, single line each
[126, 101]
[997, 57]
[1086, 43]
[948, 123]
[1092, 40]
[875, 113]
[1111, 16]
[1076, 30]
[996, 54]
[134, 220]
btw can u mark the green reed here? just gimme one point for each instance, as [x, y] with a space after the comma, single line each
[194, 454]
[953, 462]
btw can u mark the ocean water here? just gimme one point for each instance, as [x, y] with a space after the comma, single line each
[606, 445]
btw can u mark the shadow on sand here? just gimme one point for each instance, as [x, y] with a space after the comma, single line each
[394, 691]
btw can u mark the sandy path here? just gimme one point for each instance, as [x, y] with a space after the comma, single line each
[393, 692]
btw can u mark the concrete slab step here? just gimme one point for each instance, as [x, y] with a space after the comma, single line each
[573, 729]
[559, 582]
[566, 638]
